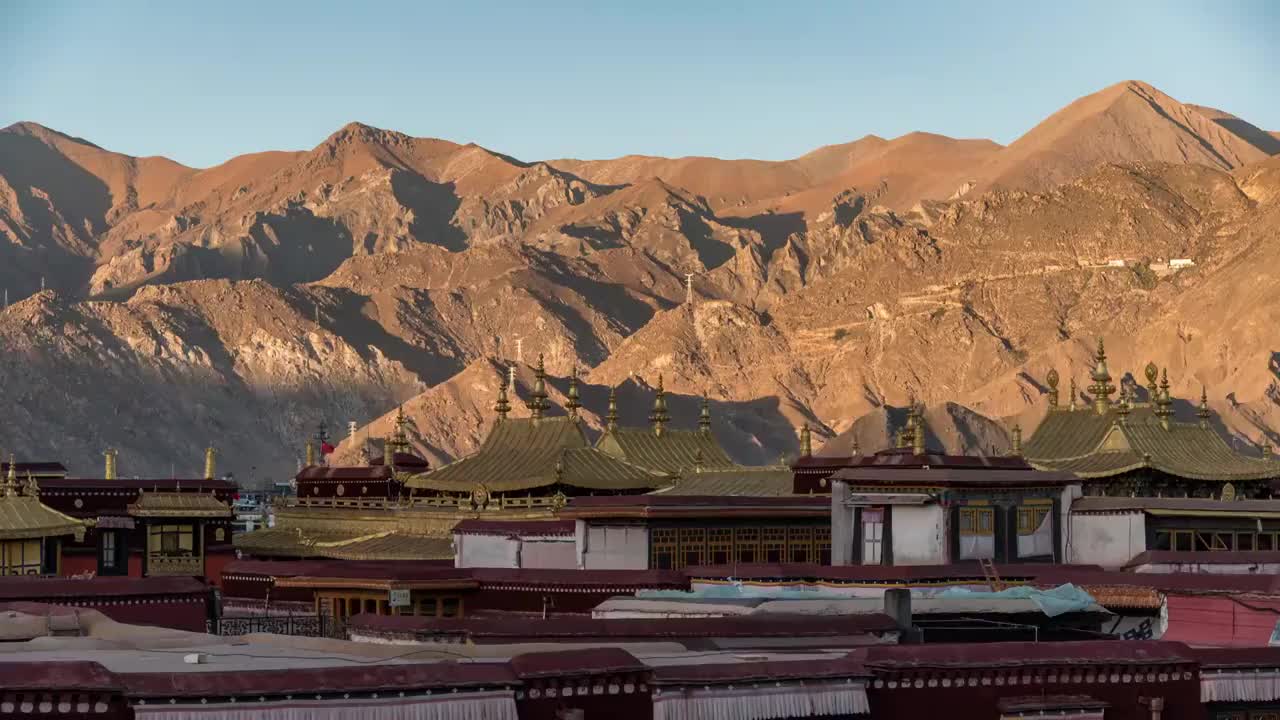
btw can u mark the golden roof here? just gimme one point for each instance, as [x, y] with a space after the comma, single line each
[526, 453]
[23, 516]
[742, 482]
[179, 505]
[343, 545]
[1098, 445]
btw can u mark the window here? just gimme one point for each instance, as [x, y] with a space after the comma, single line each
[720, 546]
[1244, 541]
[872, 536]
[773, 544]
[662, 553]
[172, 540]
[427, 607]
[1030, 517]
[977, 521]
[20, 557]
[450, 607]
[693, 547]
[1266, 541]
[822, 543]
[108, 550]
[800, 544]
[747, 545]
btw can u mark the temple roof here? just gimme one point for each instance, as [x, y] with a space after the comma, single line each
[524, 453]
[1096, 445]
[739, 481]
[179, 505]
[23, 516]
[343, 545]
[674, 451]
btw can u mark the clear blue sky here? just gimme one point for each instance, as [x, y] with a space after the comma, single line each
[203, 82]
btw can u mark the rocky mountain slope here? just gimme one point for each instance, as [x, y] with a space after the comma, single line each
[242, 304]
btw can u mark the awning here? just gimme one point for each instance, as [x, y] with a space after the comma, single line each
[789, 700]
[492, 705]
[1239, 686]
[1219, 621]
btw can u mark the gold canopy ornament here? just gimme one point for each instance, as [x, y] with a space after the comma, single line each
[503, 405]
[806, 442]
[659, 417]
[1152, 374]
[917, 430]
[572, 401]
[1101, 389]
[1052, 381]
[611, 420]
[1202, 411]
[1017, 440]
[1228, 492]
[109, 471]
[538, 398]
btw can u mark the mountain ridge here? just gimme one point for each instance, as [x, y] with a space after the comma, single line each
[375, 268]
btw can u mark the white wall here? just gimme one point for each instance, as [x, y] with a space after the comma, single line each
[1107, 540]
[548, 552]
[919, 535]
[605, 547]
[496, 551]
[1241, 568]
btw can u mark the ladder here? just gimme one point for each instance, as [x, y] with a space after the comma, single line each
[990, 575]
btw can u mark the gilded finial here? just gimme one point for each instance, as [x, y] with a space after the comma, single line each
[1124, 406]
[697, 460]
[32, 488]
[806, 441]
[1266, 448]
[917, 430]
[538, 398]
[659, 416]
[1017, 440]
[1075, 394]
[1202, 411]
[1164, 403]
[1101, 389]
[1052, 381]
[503, 404]
[611, 420]
[572, 403]
[704, 416]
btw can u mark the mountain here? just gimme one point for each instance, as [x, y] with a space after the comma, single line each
[241, 304]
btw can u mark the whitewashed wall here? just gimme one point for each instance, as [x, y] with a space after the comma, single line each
[490, 551]
[548, 552]
[1107, 540]
[606, 547]
[919, 535]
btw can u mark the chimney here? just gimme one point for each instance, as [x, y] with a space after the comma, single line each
[897, 605]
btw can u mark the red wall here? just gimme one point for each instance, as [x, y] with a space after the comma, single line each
[1181, 699]
[214, 562]
[78, 563]
[179, 613]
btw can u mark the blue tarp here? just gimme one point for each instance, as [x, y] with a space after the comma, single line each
[1058, 601]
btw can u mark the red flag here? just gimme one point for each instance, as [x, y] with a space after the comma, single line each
[326, 448]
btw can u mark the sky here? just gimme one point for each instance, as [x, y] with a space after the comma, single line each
[201, 83]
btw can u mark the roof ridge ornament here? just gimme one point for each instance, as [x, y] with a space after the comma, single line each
[1017, 440]
[1052, 379]
[538, 398]
[1153, 375]
[704, 415]
[503, 404]
[572, 402]
[806, 441]
[611, 419]
[1202, 411]
[1101, 389]
[659, 417]
[1075, 393]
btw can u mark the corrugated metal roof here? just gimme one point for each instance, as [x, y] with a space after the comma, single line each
[179, 504]
[1100, 445]
[1023, 654]
[23, 516]
[674, 451]
[524, 453]
[1092, 504]
[744, 481]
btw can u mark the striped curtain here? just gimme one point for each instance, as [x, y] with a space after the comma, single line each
[761, 703]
